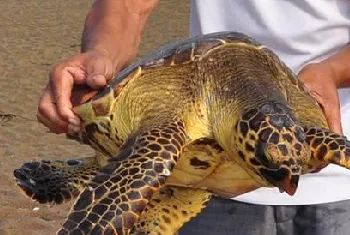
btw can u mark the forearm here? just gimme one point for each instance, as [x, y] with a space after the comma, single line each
[340, 64]
[115, 27]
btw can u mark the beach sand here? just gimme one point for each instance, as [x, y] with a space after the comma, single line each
[35, 35]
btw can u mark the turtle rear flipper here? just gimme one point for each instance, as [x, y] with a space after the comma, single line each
[169, 209]
[326, 147]
[55, 181]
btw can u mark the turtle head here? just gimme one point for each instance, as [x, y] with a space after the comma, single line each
[279, 165]
[272, 144]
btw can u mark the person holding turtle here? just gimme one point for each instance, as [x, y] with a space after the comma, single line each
[311, 37]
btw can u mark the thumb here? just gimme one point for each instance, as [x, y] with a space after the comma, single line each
[96, 80]
[99, 71]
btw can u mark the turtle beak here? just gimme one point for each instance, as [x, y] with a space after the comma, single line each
[288, 185]
[282, 179]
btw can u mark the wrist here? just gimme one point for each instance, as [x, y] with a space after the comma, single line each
[120, 50]
[333, 73]
[114, 28]
[340, 66]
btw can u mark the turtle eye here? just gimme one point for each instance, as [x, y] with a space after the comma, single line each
[260, 153]
[265, 157]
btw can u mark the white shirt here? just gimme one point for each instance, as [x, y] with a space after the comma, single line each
[299, 32]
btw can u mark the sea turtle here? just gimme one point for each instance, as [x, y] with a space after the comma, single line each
[217, 114]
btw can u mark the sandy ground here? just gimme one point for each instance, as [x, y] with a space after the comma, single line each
[34, 35]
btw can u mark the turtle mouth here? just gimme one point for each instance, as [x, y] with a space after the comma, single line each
[282, 179]
[24, 183]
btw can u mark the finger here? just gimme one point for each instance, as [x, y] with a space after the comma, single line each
[52, 128]
[48, 115]
[100, 70]
[78, 74]
[61, 81]
[96, 81]
[331, 111]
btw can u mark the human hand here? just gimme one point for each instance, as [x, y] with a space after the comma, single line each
[322, 81]
[93, 68]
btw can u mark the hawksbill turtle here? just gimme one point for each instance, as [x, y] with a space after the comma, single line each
[218, 115]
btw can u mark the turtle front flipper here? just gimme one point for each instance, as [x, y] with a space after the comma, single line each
[326, 147]
[121, 190]
[55, 181]
[169, 209]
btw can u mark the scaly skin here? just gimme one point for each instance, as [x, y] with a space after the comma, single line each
[169, 209]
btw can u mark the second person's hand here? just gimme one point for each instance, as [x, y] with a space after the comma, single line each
[321, 80]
